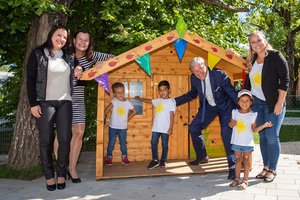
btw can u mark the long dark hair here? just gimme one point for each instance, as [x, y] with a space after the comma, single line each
[89, 52]
[48, 43]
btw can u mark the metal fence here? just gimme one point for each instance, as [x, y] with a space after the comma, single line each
[292, 116]
[5, 137]
[291, 121]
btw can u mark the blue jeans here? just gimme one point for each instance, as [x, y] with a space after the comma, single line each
[240, 148]
[113, 133]
[164, 144]
[269, 137]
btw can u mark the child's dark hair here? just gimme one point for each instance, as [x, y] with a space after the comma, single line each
[117, 85]
[164, 83]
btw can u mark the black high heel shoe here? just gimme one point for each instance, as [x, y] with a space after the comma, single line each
[61, 186]
[51, 187]
[74, 180]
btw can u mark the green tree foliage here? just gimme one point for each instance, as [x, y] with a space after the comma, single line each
[119, 25]
[16, 17]
[135, 22]
[276, 19]
[280, 21]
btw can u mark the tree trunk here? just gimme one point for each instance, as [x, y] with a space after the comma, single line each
[290, 53]
[24, 151]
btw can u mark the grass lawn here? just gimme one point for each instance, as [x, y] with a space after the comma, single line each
[289, 133]
[292, 114]
[23, 174]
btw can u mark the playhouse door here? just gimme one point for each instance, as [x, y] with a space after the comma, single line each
[178, 142]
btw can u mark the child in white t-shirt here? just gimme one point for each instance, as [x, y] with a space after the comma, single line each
[243, 124]
[122, 112]
[162, 124]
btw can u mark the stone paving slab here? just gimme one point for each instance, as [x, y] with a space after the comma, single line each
[212, 186]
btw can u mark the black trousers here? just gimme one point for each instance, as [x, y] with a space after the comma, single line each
[57, 113]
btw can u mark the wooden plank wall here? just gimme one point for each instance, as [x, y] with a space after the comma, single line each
[163, 62]
[100, 126]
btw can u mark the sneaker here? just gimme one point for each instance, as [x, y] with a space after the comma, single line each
[125, 161]
[162, 163]
[108, 160]
[198, 162]
[152, 164]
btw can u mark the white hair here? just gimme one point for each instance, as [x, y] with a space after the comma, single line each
[198, 60]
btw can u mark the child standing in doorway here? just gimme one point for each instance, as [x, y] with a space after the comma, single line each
[163, 122]
[122, 112]
[244, 125]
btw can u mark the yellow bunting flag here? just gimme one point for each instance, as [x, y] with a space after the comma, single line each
[212, 60]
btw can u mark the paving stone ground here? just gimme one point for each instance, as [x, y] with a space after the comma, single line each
[212, 186]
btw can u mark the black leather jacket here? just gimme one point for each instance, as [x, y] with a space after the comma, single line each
[37, 70]
[275, 76]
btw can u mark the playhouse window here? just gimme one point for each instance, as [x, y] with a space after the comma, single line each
[133, 89]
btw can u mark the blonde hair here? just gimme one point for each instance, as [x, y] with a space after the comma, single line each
[251, 53]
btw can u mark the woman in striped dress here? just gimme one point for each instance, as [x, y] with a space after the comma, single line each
[86, 58]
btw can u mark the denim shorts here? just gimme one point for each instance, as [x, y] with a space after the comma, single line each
[239, 148]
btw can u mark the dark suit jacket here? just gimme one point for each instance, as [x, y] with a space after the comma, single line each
[275, 75]
[224, 93]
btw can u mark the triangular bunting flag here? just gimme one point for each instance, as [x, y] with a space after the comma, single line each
[181, 27]
[144, 62]
[212, 60]
[103, 81]
[180, 46]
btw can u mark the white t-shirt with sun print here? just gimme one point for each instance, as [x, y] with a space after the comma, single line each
[119, 115]
[255, 79]
[242, 133]
[163, 107]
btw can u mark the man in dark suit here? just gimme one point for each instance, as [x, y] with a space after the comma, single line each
[217, 98]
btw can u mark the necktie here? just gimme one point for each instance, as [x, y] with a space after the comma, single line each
[203, 102]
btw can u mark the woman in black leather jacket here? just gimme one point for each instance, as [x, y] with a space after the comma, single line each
[268, 80]
[49, 85]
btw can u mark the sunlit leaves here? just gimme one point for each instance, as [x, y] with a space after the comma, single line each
[143, 20]
[276, 19]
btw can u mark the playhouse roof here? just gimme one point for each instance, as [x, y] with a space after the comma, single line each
[231, 63]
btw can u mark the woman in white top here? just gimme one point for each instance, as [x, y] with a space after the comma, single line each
[49, 85]
[268, 81]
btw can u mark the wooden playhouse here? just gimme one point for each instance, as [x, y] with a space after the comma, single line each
[165, 65]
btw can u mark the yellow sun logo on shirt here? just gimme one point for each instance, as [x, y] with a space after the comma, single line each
[159, 108]
[121, 111]
[241, 126]
[256, 79]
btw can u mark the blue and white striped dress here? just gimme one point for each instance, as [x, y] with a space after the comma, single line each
[79, 114]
